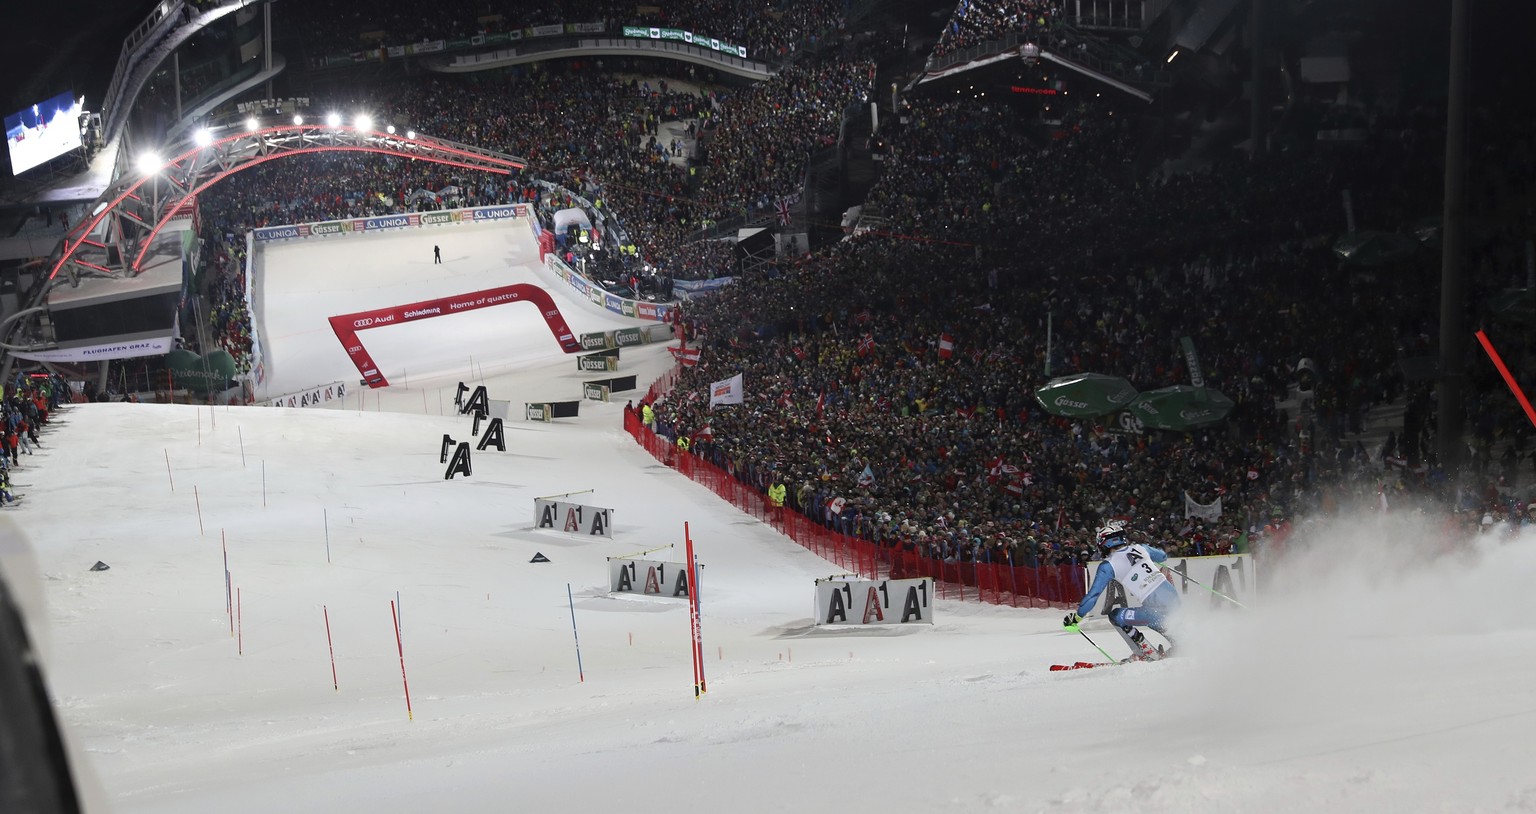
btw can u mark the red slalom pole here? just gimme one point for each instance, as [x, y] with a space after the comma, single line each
[335, 685]
[699, 686]
[1509, 378]
[401, 647]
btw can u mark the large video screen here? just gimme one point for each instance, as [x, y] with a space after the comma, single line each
[44, 131]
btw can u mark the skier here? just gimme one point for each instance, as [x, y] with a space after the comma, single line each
[1134, 566]
[437, 255]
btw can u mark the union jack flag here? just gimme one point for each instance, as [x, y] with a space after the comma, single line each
[782, 207]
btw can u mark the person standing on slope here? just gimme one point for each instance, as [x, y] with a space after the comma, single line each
[1136, 568]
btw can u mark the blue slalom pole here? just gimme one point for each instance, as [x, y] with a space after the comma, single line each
[581, 675]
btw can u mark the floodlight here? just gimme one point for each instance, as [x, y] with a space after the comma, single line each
[202, 137]
[410, 134]
[390, 130]
[148, 163]
[298, 119]
[333, 119]
[252, 125]
[364, 122]
[1171, 56]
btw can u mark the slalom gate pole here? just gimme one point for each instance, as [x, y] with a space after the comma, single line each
[1509, 378]
[228, 606]
[329, 645]
[399, 646]
[325, 517]
[240, 639]
[1094, 643]
[699, 687]
[240, 432]
[199, 500]
[1212, 590]
[581, 675]
[168, 470]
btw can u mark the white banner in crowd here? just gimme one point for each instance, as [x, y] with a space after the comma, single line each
[1234, 575]
[592, 521]
[648, 577]
[728, 391]
[874, 602]
[1208, 511]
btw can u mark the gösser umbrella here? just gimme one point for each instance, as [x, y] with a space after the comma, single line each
[1180, 407]
[1085, 395]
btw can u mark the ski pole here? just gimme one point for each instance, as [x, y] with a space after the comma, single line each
[1092, 642]
[1183, 575]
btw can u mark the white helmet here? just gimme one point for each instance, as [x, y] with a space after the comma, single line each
[1112, 534]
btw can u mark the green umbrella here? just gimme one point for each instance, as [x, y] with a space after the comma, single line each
[1374, 248]
[1180, 407]
[1514, 303]
[1085, 395]
[203, 374]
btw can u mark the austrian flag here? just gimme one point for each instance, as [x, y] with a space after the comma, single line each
[687, 357]
[946, 346]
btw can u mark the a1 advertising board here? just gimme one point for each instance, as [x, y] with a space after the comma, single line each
[874, 602]
[648, 578]
[1233, 575]
[43, 132]
[313, 397]
[572, 518]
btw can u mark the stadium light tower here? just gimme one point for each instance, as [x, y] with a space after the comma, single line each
[364, 122]
[333, 120]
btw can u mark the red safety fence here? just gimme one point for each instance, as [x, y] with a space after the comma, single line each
[996, 583]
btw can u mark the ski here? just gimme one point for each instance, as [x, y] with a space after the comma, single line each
[1082, 665]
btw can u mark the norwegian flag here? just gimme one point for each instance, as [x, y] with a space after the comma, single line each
[781, 206]
[946, 346]
[866, 345]
[687, 357]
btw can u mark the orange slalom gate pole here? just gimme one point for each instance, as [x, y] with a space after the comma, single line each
[699, 687]
[335, 685]
[409, 714]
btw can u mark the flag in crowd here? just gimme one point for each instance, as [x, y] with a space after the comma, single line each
[1208, 511]
[946, 346]
[867, 477]
[687, 357]
[782, 207]
[726, 391]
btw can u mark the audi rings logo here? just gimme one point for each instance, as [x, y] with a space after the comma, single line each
[367, 321]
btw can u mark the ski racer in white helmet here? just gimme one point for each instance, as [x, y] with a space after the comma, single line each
[1135, 567]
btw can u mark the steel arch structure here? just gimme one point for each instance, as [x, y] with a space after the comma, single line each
[114, 240]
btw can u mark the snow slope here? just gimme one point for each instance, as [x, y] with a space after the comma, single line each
[1380, 674]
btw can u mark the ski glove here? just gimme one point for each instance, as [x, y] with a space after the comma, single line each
[1071, 620]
